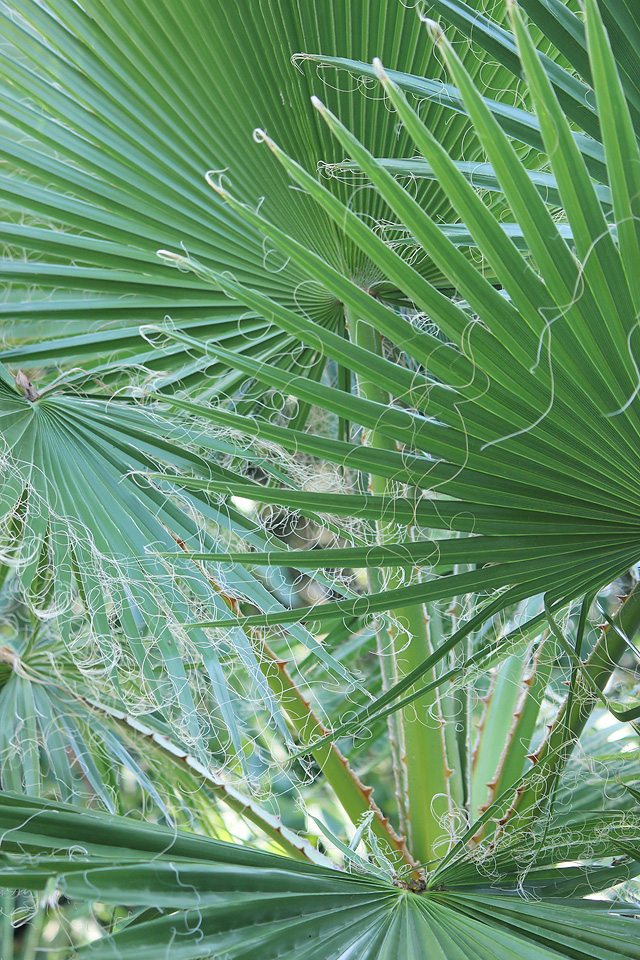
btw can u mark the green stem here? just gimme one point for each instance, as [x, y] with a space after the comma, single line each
[34, 931]
[6, 942]
[344, 384]
[424, 764]
[389, 674]
[510, 760]
[570, 721]
[355, 798]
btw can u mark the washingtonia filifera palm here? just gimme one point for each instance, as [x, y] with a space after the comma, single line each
[480, 454]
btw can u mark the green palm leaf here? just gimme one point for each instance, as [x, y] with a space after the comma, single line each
[108, 166]
[75, 518]
[226, 898]
[66, 733]
[544, 387]
[516, 418]
[110, 121]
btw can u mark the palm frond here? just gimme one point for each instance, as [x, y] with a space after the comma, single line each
[527, 407]
[218, 897]
[110, 121]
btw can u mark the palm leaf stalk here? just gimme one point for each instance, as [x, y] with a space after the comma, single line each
[355, 797]
[423, 760]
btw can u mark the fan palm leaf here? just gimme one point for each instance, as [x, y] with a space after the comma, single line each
[212, 883]
[76, 518]
[111, 118]
[108, 127]
[227, 898]
[517, 417]
[543, 389]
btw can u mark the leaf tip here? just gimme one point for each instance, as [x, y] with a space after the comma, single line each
[259, 136]
[433, 28]
[169, 256]
[215, 184]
